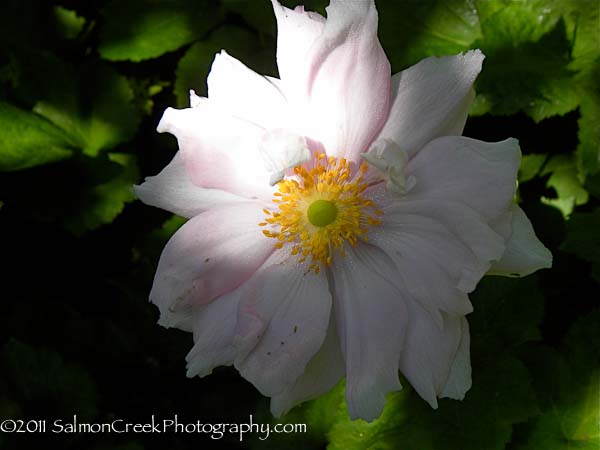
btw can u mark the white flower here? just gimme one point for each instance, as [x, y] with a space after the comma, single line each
[340, 269]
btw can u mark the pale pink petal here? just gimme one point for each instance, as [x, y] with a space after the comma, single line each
[211, 254]
[441, 251]
[459, 380]
[431, 99]
[322, 373]
[429, 351]
[282, 325]
[214, 329]
[481, 175]
[172, 190]
[297, 30]
[245, 94]
[219, 151]
[371, 320]
[524, 252]
[347, 80]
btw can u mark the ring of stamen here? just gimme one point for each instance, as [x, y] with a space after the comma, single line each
[320, 209]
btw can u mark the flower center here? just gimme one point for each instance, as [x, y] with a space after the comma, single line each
[321, 213]
[319, 209]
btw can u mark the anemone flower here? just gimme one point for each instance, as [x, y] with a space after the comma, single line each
[337, 218]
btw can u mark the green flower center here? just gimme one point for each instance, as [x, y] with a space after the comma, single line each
[321, 213]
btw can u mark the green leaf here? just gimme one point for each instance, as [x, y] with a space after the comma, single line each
[28, 140]
[523, 70]
[583, 238]
[565, 181]
[588, 150]
[194, 67]
[93, 106]
[507, 312]
[69, 23]
[42, 379]
[501, 396]
[142, 29]
[531, 166]
[103, 202]
[569, 389]
[413, 30]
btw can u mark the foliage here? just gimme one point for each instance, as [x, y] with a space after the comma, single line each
[83, 87]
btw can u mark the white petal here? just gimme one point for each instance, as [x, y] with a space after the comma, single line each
[173, 191]
[219, 151]
[524, 252]
[459, 380]
[347, 78]
[297, 30]
[211, 254]
[246, 94]
[322, 373]
[282, 150]
[481, 175]
[431, 99]
[214, 329]
[429, 351]
[371, 319]
[284, 323]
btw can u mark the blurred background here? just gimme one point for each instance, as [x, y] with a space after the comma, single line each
[83, 86]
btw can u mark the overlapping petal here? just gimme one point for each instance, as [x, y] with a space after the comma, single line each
[219, 150]
[524, 252]
[282, 324]
[322, 373]
[371, 319]
[429, 353]
[245, 94]
[481, 175]
[173, 190]
[208, 256]
[336, 74]
[431, 99]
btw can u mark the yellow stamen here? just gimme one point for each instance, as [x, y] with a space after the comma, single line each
[321, 209]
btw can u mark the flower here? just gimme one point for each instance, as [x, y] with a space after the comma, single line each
[338, 220]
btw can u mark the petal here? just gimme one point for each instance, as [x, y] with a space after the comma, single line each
[524, 252]
[284, 323]
[282, 150]
[245, 94]
[297, 30]
[321, 375]
[172, 190]
[219, 151]
[431, 99]
[214, 329]
[347, 80]
[441, 251]
[429, 351]
[459, 380]
[209, 255]
[481, 175]
[371, 319]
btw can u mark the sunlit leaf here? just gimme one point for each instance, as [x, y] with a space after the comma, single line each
[142, 29]
[93, 106]
[103, 202]
[28, 140]
[564, 179]
[568, 385]
[69, 23]
[413, 30]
